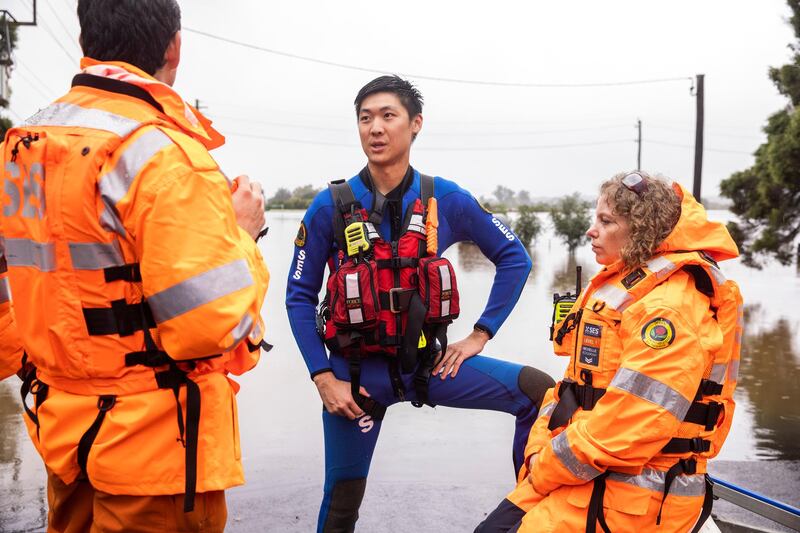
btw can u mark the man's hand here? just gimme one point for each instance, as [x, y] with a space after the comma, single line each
[248, 204]
[336, 396]
[459, 352]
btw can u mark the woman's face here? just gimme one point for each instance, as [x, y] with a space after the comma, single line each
[609, 233]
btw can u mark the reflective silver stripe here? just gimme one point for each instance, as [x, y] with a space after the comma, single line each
[739, 336]
[718, 275]
[651, 390]
[109, 221]
[718, 372]
[416, 224]
[199, 290]
[567, 457]
[114, 185]
[28, 253]
[240, 331]
[660, 266]
[352, 290]
[5, 291]
[71, 115]
[733, 370]
[614, 297]
[371, 232]
[95, 255]
[256, 332]
[548, 409]
[649, 479]
[444, 273]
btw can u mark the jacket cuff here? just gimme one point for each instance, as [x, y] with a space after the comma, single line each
[320, 371]
[484, 329]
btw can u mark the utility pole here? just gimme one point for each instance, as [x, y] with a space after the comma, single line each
[698, 140]
[639, 145]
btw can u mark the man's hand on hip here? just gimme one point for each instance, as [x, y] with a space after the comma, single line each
[248, 204]
[460, 351]
[336, 396]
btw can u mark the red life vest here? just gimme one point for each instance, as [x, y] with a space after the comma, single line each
[393, 299]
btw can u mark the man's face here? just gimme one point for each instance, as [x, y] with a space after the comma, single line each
[385, 129]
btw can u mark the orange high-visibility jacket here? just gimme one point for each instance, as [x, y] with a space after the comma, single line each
[654, 356]
[130, 278]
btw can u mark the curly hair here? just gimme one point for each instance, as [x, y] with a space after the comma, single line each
[651, 215]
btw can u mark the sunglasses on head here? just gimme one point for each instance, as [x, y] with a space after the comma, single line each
[635, 182]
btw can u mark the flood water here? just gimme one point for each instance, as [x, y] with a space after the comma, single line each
[280, 409]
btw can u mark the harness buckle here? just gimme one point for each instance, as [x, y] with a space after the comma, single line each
[398, 299]
[106, 403]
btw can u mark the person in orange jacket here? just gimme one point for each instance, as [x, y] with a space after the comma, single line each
[653, 345]
[136, 284]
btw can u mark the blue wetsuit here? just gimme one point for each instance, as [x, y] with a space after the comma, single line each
[482, 382]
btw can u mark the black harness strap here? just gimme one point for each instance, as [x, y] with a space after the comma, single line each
[371, 407]
[708, 504]
[104, 404]
[32, 385]
[121, 318]
[683, 466]
[173, 379]
[571, 396]
[344, 201]
[594, 513]
[128, 272]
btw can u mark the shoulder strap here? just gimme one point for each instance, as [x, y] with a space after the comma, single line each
[343, 201]
[425, 188]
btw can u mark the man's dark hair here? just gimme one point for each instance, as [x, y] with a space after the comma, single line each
[409, 95]
[134, 31]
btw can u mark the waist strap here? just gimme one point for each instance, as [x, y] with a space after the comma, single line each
[571, 396]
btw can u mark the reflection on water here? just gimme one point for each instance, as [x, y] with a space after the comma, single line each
[23, 500]
[770, 374]
[565, 276]
[471, 259]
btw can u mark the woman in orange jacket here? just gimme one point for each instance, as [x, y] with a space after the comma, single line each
[647, 398]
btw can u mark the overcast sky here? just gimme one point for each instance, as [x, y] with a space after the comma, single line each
[290, 122]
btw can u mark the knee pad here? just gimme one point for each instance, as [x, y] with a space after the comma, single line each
[345, 501]
[534, 384]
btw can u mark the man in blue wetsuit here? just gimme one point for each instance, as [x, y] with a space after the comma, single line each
[389, 118]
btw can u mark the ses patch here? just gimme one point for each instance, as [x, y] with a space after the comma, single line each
[300, 240]
[590, 348]
[658, 333]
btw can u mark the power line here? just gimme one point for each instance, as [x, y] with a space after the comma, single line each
[70, 37]
[522, 147]
[676, 145]
[55, 39]
[216, 116]
[33, 74]
[715, 134]
[432, 148]
[435, 78]
[33, 86]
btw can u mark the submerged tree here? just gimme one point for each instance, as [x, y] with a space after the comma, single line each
[766, 196]
[527, 226]
[571, 219]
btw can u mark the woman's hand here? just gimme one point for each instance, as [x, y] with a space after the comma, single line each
[459, 352]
